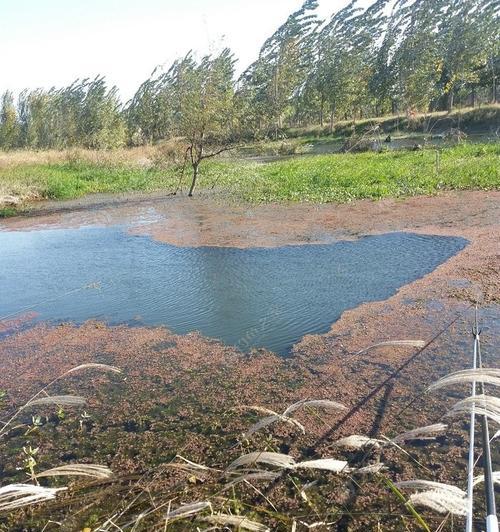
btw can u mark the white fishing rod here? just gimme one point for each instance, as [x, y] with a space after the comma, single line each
[489, 489]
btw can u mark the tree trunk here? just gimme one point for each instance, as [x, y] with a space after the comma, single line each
[321, 110]
[451, 97]
[332, 118]
[493, 81]
[195, 177]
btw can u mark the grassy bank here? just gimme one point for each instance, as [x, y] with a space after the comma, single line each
[319, 178]
[485, 119]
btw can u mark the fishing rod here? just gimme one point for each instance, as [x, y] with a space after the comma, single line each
[470, 467]
[489, 490]
[93, 285]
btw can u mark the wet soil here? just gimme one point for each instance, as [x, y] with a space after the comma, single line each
[180, 394]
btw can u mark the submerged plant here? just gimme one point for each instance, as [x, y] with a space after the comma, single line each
[18, 495]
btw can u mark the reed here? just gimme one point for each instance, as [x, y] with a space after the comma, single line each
[443, 498]
[15, 496]
[428, 432]
[80, 470]
[466, 376]
[237, 521]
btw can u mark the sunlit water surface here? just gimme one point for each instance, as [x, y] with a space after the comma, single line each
[257, 297]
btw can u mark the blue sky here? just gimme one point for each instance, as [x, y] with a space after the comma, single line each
[53, 42]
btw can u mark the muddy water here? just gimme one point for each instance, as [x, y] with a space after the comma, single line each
[256, 297]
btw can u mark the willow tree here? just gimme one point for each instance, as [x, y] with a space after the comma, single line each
[204, 106]
[9, 125]
[282, 66]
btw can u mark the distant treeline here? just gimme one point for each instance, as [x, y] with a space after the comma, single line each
[403, 56]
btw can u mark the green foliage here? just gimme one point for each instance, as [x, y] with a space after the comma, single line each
[346, 177]
[84, 114]
[316, 179]
[404, 57]
[9, 125]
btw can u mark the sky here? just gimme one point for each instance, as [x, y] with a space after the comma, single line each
[45, 43]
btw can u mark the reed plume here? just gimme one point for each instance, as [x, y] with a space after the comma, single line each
[443, 498]
[484, 375]
[410, 343]
[428, 432]
[188, 510]
[357, 441]
[18, 495]
[82, 470]
[238, 521]
[60, 400]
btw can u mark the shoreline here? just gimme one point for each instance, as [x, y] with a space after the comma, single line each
[182, 393]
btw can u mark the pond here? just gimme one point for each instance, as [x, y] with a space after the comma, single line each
[256, 297]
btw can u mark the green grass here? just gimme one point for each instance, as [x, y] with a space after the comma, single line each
[345, 177]
[317, 179]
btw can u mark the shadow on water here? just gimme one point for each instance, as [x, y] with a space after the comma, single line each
[257, 297]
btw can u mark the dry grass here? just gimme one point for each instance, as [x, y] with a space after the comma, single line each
[422, 433]
[443, 498]
[19, 495]
[78, 470]
[484, 375]
[140, 157]
[237, 521]
[409, 343]
[357, 441]
[59, 400]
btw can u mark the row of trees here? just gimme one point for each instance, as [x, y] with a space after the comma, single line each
[400, 56]
[86, 113]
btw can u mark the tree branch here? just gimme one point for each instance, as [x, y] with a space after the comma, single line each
[222, 150]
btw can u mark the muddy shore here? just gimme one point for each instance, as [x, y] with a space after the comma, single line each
[180, 394]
